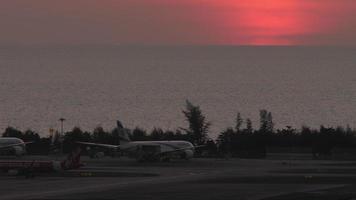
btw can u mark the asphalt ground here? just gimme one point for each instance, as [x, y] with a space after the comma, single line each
[120, 178]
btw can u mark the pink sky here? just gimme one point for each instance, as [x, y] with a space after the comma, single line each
[235, 22]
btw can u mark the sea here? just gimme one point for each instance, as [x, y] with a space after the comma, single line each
[148, 86]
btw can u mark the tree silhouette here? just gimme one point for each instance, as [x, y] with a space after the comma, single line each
[249, 128]
[139, 134]
[239, 122]
[12, 132]
[198, 126]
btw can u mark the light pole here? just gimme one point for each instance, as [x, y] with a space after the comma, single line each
[62, 133]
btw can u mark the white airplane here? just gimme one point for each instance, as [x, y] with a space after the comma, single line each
[150, 150]
[13, 146]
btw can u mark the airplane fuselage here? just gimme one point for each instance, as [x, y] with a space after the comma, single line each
[159, 148]
[18, 149]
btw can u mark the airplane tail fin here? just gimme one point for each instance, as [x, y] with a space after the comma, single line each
[123, 133]
[124, 136]
[73, 160]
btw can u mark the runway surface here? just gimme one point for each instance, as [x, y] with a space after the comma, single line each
[120, 178]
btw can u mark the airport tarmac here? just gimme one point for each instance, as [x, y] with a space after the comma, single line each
[121, 178]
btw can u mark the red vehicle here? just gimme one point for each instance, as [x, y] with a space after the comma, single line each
[30, 167]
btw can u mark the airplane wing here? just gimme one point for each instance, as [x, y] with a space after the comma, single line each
[28, 142]
[110, 146]
[14, 145]
[181, 149]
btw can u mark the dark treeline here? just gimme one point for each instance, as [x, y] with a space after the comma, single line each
[241, 140]
[246, 142]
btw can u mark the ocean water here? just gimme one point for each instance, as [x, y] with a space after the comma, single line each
[148, 86]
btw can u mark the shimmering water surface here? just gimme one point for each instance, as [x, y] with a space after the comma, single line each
[148, 86]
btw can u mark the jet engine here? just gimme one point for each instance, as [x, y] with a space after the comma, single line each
[188, 154]
[18, 151]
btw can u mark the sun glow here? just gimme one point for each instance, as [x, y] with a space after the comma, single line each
[223, 22]
[266, 22]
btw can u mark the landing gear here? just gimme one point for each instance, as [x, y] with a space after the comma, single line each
[29, 173]
[166, 159]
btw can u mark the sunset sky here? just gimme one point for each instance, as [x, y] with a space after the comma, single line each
[231, 22]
